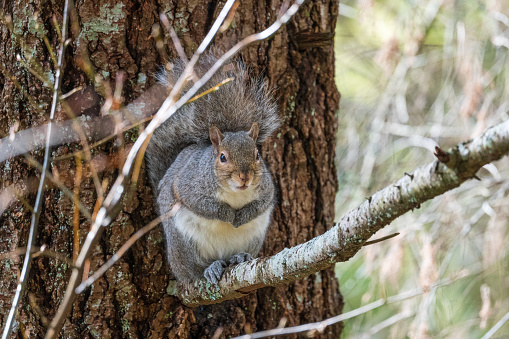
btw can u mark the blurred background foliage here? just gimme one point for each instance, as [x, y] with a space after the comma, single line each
[415, 74]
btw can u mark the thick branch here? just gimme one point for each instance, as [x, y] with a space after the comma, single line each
[345, 239]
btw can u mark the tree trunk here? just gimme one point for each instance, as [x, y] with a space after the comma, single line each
[130, 300]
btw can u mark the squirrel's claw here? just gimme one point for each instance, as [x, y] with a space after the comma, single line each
[214, 272]
[239, 258]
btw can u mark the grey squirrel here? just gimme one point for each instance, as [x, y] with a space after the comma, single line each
[205, 157]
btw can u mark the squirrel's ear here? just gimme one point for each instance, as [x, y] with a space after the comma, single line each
[216, 137]
[253, 132]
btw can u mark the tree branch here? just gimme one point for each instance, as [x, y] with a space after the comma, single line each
[347, 237]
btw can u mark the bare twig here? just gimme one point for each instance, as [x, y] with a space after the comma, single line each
[33, 302]
[37, 252]
[76, 211]
[217, 333]
[497, 326]
[158, 38]
[230, 17]
[210, 90]
[36, 73]
[12, 193]
[57, 27]
[71, 92]
[8, 76]
[174, 37]
[386, 323]
[38, 200]
[371, 242]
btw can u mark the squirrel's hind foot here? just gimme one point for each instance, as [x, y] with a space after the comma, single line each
[214, 272]
[240, 258]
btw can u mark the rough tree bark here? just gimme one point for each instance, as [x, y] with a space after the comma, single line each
[131, 299]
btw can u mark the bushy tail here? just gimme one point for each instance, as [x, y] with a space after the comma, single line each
[234, 107]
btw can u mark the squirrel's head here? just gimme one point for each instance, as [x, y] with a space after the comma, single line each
[238, 164]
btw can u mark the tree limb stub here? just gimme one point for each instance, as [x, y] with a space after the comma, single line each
[348, 236]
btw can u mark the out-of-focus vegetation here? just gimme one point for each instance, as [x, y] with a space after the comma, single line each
[415, 74]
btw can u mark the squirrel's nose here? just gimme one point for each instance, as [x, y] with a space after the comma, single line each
[243, 176]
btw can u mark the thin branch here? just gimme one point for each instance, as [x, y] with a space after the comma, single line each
[38, 252]
[33, 303]
[71, 92]
[497, 326]
[76, 211]
[16, 192]
[36, 73]
[9, 77]
[176, 41]
[371, 242]
[386, 323]
[345, 239]
[230, 17]
[38, 200]
[86, 147]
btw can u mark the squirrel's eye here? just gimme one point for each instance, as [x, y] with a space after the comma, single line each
[257, 155]
[222, 157]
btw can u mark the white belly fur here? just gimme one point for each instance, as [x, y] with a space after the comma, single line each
[219, 240]
[237, 199]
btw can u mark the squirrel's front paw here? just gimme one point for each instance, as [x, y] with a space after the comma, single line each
[241, 257]
[239, 220]
[214, 272]
[226, 214]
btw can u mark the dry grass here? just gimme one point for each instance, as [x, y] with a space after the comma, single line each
[413, 75]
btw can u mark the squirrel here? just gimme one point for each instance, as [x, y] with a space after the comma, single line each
[206, 157]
